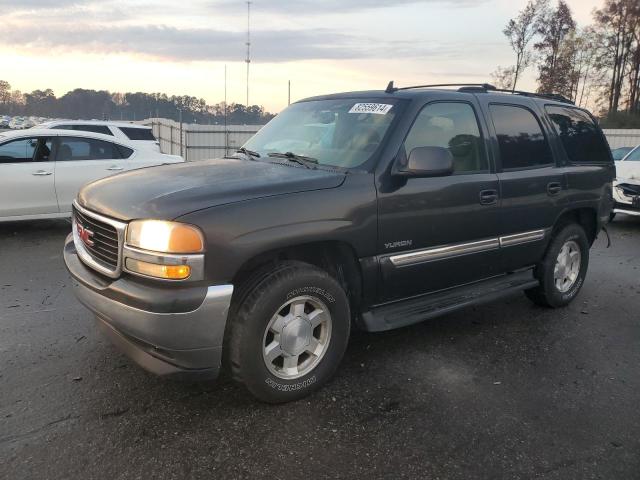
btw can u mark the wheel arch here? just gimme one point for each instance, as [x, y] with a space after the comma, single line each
[586, 217]
[337, 258]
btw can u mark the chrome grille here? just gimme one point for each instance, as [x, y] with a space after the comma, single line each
[98, 240]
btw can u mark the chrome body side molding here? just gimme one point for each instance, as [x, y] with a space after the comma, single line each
[455, 250]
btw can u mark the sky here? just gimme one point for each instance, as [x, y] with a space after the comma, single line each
[321, 46]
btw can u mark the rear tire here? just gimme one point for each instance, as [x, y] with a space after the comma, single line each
[288, 333]
[563, 269]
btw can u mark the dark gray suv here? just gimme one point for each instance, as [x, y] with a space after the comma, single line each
[370, 210]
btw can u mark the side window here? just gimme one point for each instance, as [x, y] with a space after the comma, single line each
[453, 126]
[79, 148]
[520, 137]
[103, 129]
[18, 151]
[43, 150]
[63, 127]
[124, 151]
[134, 133]
[579, 135]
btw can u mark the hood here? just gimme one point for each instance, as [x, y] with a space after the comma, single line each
[169, 191]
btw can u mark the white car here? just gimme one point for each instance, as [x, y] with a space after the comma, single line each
[626, 188]
[42, 170]
[140, 135]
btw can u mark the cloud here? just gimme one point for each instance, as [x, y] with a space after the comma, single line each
[310, 7]
[189, 44]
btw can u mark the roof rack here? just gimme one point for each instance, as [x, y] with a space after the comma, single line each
[483, 87]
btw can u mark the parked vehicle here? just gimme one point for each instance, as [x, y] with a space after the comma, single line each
[41, 171]
[626, 188]
[139, 135]
[411, 203]
[619, 153]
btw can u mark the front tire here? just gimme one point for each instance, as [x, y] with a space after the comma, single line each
[289, 332]
[563, 269]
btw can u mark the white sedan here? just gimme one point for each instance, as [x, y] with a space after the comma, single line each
[42, 170]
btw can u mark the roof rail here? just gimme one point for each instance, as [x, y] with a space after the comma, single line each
[391, 88]
[483, 87]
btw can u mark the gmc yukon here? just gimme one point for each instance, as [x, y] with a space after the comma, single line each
[371, 210]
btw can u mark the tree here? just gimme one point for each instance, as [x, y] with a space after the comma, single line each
[5, 92]
[554, 67]
[504, 77]
[618, 23]
[520, 31]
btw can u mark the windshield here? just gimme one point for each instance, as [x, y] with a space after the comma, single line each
[342, 133]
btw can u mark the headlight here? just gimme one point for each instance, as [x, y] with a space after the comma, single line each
[166, 237]
[164, 250]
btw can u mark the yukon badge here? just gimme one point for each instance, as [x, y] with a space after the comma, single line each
[398, 244]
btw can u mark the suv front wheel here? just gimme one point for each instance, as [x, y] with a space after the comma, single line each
[289, 331]
[563, 268]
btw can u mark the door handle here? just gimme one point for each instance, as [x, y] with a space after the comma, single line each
[115, 168]
[488, 197]
[554, 188]
[41, 173]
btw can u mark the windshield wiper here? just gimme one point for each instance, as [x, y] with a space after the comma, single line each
[248, 153]
[308, 162]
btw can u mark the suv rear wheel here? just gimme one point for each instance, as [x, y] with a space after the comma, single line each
[289, 332]
[563, 268]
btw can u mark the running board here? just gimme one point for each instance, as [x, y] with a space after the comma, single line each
[415, 310]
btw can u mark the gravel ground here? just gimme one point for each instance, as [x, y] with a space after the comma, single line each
[506, 390]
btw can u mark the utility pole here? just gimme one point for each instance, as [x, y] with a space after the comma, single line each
[226, 134]
[248, 60]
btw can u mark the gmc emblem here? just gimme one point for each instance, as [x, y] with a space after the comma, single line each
[85, 235]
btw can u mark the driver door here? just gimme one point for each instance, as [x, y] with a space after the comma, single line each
[27, 177]
[440, 232]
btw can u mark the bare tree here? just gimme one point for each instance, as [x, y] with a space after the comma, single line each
[504, 77]
[617, 22]
[520, 31]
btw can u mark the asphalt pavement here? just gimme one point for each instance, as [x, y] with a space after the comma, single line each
[501, 391]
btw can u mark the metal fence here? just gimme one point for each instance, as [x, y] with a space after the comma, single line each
[622, 137]
[199, 142]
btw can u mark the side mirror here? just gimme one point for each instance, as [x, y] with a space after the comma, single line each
[427, 162]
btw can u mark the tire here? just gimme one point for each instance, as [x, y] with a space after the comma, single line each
[272, 355]
[554, 292]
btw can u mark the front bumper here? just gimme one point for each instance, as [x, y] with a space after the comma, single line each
[624, 203]
[176, 332]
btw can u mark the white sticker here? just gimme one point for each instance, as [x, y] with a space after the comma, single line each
[376, 108]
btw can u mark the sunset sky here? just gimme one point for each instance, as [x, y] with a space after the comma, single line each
[320, 45]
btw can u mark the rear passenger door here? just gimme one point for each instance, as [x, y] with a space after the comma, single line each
[532, 185]
[80, 160]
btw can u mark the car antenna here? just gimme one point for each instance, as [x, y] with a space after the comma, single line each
[390, 88]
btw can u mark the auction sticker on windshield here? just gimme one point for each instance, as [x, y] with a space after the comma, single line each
[376, 108]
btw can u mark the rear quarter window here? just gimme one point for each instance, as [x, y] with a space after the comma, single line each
[138, 133]
[580, 137]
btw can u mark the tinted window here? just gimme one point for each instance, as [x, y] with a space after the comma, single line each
[78, 148]
[522, 143]
[452, 126]
[633, 156]
[18, 151]
[124, 151]
[579, 135]
[138, 133]
[86, 128]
